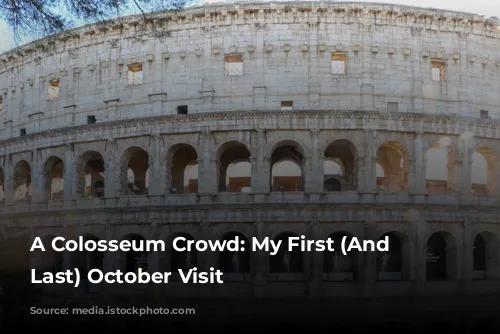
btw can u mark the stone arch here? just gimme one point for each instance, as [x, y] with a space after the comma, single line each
[441, 256]
[484, 171]
[287, 167]
[135, 259]
[285, 261]
[2, 186]
[53, 172]
[393, 157]
[485, 256]
[395, 264]
[235, 262]
[180, 260]
[440, 169]
[134, 166]
[182, 162]
[234, 170]
[338, 267]
[344, 154]
[90, 175]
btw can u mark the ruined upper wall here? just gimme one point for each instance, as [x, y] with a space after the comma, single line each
[286, 49]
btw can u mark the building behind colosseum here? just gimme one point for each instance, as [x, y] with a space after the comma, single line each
[271, 119]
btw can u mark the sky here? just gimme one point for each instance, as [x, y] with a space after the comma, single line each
[482, 7]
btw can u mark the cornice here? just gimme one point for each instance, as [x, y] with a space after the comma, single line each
[365, 13]
[252, 115]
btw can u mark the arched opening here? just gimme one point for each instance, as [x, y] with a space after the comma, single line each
[484, 172]
[91, 170]
[183, 161]
[86, 261]
[22, 182]
[51, 261]
[235, 172]
[287, 164]
[134, 168]
[485, 255]
[340, 166]
[235, 264]
[2, 187]
[181, 260]
[390, 264]
[135, 258]
[441, 253]
[286, 265]
[338, 267]
[54, 178]
[440, 168]
[393, 158]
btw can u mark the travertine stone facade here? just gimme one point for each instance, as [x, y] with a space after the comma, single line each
[233, 116]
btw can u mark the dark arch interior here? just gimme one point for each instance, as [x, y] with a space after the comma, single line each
[235, 262]
[183, 260]
[337, 266]
[436, 257]
[390, 264]
[135, 260]
[479, 253]
[285, 261]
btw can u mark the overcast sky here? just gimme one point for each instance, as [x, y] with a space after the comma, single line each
[483, 7]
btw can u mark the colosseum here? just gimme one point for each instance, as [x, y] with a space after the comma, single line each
[323, 119]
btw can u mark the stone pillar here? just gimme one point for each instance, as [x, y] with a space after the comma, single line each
[38, 181]
[316, 267]
[260, 165]
[466, 259]
[368, 260]
[69, 172]
[260, 264]
[465, 175]
[207, 167]
[207, 259]
[157, 185]
[112, 170]
[370, 160]
[8, 173]
[417, 167]
[313, 170]
[419, 256]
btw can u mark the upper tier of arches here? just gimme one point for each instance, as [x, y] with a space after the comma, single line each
[131, 69]
[352, 162]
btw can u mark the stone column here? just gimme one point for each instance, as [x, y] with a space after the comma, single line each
[260, 164]
[69, 172]
[419, 256]
[8, 173]
[467, 249]
[417, 167]
[260, 263]
[465, 175]
[370, 160]
[313, 170]
[207, 259]
[368, 260]
[38, 181]
[112, 170]
[316, 268]
[157, 185]
[207, 168]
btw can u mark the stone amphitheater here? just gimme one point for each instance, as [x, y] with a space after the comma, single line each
[323, 119]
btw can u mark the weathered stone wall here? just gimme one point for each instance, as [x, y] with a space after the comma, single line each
[286, 49]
